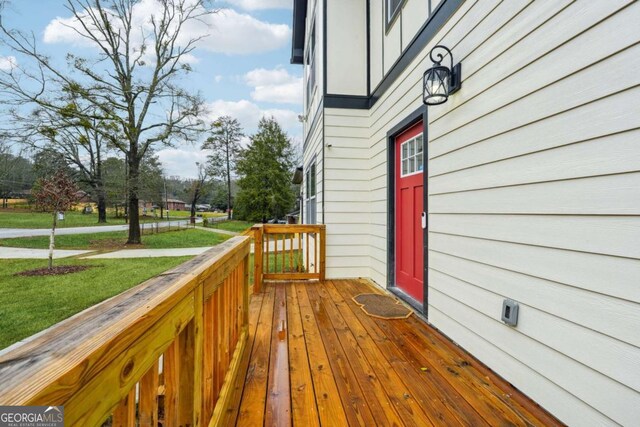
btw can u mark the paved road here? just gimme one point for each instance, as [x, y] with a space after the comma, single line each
[8, 233]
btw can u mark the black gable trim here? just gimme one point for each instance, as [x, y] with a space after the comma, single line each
[444, 12]
[351, 101]
[298, 33]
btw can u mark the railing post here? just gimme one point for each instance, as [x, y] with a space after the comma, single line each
[198, 354]
[245, 293]
[186, 380]
[257, 258]
[323, 247]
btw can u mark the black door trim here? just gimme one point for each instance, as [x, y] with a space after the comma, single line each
[418, 115]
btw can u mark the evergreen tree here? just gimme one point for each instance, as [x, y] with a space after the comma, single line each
[264, 171]
[225, 145]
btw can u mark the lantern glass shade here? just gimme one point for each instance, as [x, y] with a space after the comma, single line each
[436, 83]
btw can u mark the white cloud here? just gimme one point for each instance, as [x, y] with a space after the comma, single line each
[262, 4]
[249, 114]
[218, 78]
[181, 161]
[226, 31]
[235, 33]
[275, 85]
[8, 62]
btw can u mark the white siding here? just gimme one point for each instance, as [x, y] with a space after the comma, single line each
[391, 45]
[534, 194]
[312, 106]
[387, 43]
[347, 47]
[376, 34]
[414, 15]
[313, 153]
[347, 193]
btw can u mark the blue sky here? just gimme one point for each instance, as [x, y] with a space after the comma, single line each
[242, 68]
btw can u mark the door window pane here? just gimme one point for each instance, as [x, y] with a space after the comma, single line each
[412, 155]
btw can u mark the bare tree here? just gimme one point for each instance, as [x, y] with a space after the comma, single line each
[225, 145]
[55, 194]
[197, 189]
[82, 143]
[131, 82]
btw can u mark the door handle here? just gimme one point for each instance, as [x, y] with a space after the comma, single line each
[424, 220]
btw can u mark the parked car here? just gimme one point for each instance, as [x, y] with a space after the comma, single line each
[277, 221]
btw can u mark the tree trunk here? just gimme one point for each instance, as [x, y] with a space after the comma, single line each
[102, 209]
[102, 196]
[196, 196]
[228, 196]
[52, 239]
[102, 206]
[228, 182]
[193, 213]
[133, 185]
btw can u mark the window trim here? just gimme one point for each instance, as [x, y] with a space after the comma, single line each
[310, 62]
[390, 20]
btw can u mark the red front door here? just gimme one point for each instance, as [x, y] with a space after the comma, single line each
[409, 257]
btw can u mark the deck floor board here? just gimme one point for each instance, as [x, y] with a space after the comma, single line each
[318, 359]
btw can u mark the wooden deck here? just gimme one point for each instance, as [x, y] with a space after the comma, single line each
[315, 358]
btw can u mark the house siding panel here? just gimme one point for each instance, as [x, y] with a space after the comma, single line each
[347, 163]
[391, 45]
[533, 193]
[347, 48]
[376, 39]
[414, 15]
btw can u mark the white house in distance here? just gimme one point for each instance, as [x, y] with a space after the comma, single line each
[528, 175]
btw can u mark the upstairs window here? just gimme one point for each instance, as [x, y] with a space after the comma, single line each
[393, 8]
[311, 66]
[310, 181]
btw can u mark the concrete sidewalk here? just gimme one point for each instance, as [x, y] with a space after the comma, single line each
[8, 233]
[26, 253]
[149, 253]
[14, 253]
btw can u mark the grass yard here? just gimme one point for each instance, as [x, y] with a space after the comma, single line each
[26, 219]
[233, 225]
[275, 264]
[31, 304]
[190, 238]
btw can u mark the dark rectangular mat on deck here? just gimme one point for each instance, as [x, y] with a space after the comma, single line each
[382, 306]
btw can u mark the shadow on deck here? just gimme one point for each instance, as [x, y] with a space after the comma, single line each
[315, 358]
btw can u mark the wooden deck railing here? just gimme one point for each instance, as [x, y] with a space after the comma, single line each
[288, 252]
[167, 350]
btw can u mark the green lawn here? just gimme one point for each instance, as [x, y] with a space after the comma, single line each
[24, 219]
[275, 264]
[31, 304]
[190, 238]
[233, 225]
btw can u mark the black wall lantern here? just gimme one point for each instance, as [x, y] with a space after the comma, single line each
[440, 81]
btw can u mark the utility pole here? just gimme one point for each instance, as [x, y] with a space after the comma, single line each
[166, 202]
